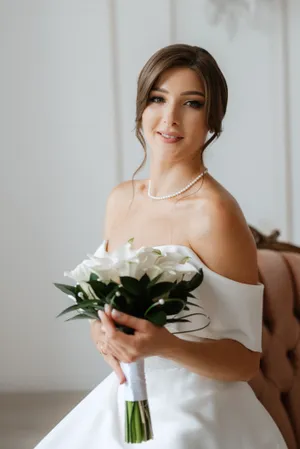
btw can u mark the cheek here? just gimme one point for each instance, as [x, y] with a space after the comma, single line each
[149, 119]
[197, 126]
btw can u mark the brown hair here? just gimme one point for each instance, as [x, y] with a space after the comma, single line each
[197, 59]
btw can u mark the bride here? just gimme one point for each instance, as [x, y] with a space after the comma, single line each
[197, 382]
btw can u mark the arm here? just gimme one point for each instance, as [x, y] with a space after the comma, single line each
[116, 207]
[224, 360]
[227, 248]
[116, 200]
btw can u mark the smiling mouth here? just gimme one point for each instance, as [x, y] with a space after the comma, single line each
[170, 137]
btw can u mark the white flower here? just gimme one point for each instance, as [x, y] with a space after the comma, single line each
[82, 272]
[186, 269]
[173, 266]
[125, 261]
[88, 290]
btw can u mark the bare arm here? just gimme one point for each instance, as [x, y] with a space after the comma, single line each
[113, 207]
[227, 248]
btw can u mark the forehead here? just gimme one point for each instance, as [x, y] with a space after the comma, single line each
[179, 79]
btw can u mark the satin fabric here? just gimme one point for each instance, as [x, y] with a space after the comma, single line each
[188, 411]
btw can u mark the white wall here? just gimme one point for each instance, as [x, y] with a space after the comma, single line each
[68, 86]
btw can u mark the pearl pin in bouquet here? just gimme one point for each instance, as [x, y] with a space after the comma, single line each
[146, 283]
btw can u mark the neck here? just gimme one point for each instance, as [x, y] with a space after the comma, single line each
[167, 179]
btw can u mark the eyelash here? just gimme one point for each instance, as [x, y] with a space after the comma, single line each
[197, 104]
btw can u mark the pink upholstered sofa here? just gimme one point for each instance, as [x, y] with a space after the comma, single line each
[277, 384]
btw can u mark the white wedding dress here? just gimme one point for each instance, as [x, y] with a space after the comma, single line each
[188, 411]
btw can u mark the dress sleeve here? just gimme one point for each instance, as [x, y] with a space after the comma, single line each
[230, 310]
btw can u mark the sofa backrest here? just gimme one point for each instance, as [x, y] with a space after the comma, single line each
[277, 385]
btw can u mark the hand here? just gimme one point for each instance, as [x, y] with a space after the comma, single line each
[148, 339]
[98, 336]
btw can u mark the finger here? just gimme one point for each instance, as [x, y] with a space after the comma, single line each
[115, 365]
[107, 309]
[96, 331]
[138, 324]
[101, 345]
[106, 321]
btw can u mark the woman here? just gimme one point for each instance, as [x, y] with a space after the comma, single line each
[197, 382]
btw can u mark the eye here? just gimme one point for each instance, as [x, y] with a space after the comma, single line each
[195, 104]
[156, 99]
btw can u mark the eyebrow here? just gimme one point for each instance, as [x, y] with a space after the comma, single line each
[188, 92]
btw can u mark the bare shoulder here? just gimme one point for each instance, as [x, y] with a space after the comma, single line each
[118, 202]
[225, 242]
[124, 191]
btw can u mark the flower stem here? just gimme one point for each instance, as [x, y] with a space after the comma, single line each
[138, 427]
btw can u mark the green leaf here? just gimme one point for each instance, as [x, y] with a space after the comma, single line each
[111, 284]
[192, 304]
[160, 289]
[172, 306]
[93, 277]
[69, 309]
[98, 289]
[157, 251]
[154, 280]
[155, 305]
[157, 317]
[78, 290]
[130, 299]
[103, 290]
[177, 320]
[90, 313]
[120, 303]
[68, 289]
[131, 284]
[144, 281]
[192, 314]
[112, 293]
[190, 295]
[82, 316]
[179, 290]
[88, 303]
[195, 281]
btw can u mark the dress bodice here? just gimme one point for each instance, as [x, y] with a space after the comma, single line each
[234, 308]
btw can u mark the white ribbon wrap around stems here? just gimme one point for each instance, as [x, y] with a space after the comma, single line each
[135, 386]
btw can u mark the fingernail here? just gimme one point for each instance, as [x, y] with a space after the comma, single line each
[99, 313]
[107, 308]
[115, 313]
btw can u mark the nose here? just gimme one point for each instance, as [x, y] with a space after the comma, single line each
[170, 116]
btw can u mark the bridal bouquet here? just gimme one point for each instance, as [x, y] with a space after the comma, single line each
[145, 283]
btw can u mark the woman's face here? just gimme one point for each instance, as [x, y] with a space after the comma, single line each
[174, 120]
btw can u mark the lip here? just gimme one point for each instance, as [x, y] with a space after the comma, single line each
[169, 133]
[170, 141]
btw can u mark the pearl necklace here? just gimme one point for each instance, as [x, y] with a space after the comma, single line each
[165, 197]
